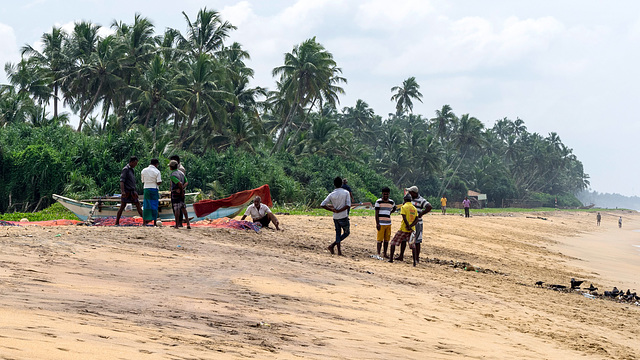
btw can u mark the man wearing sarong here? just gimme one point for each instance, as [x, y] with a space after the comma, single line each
[260, 213]
[423, 207]
[128, 194]
[409, 219]
[184, 172]
[178, 181]
[151, 178]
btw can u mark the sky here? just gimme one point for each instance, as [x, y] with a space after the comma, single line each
[569, 67]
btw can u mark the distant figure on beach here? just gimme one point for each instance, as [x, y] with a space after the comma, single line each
[346, 186]
[409, 219]
[383, 208]
[422, 206]
[178, 181]
[443, 204]
[184, 172]
[598, 218]
[466, 204]
[128, 194]
[620, 222]
[151, 178]
[260, 213]
[338, 202]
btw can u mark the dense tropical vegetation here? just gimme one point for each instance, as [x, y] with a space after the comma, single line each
[136, 92]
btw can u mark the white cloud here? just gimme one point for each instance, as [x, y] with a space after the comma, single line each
[8, 49]
[239, 14]
[380, 14]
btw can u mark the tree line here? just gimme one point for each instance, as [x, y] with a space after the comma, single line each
[153, 95]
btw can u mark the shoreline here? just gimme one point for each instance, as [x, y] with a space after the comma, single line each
[608, 253]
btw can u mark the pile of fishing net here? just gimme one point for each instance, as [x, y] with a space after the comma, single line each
[215, 223]
[61, 222]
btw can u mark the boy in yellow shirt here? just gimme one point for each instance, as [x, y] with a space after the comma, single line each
[409, 219]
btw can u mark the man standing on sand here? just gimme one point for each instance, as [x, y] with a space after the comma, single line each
[443, 204]
[423, 207]
[128, 194]
[466, 204]
[178, 181]
[338, 202]
[620, 222]
[151, 178]
[409, 218]
[384, 207]
[184, 172]
[260, 213]
[598, 218]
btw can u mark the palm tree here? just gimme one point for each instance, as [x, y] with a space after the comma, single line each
[28, 78]
[51, 59]
[206, 35]
[156, 90]
[405, 95]
[100, 72]
[444, 117]
[79, 48]
[203, 96]
[15, 107]
[138, 45]
[467, 135]
[309, 74]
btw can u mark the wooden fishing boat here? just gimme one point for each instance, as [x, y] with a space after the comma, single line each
[205, 209]
[108, 206]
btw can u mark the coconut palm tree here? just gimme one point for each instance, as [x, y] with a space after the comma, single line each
[51, 59]
[203, 96]
[467, 135]
[205, 35]
[444, 118]
[405, 94]
[309, 74]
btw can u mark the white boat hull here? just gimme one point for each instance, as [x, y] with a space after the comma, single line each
[83, 209]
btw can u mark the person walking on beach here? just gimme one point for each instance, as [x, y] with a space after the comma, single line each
[151, 178]
[383, 208]
[184, 172]
[260, 213]
[620, 222]
[598, 218]
[443, 204]
[128, 194]
[409, 218]
[466, 203]
[423, 207]
[338, 202]
[178, 181]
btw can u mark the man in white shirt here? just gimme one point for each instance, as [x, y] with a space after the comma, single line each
[151, 178]
[338, 202]
[261, 213]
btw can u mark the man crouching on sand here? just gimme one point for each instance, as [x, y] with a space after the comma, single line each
[409, 219]
[338, 201]
[260, 213]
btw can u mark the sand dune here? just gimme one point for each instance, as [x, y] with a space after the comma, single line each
[145, 293]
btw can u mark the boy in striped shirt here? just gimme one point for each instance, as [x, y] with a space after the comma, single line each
[384, 207]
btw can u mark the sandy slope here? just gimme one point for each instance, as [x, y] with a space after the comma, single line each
[144, 293]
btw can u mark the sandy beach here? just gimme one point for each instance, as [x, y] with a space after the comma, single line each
[157, 293]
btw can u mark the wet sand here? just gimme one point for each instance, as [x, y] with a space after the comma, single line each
[145, 293]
